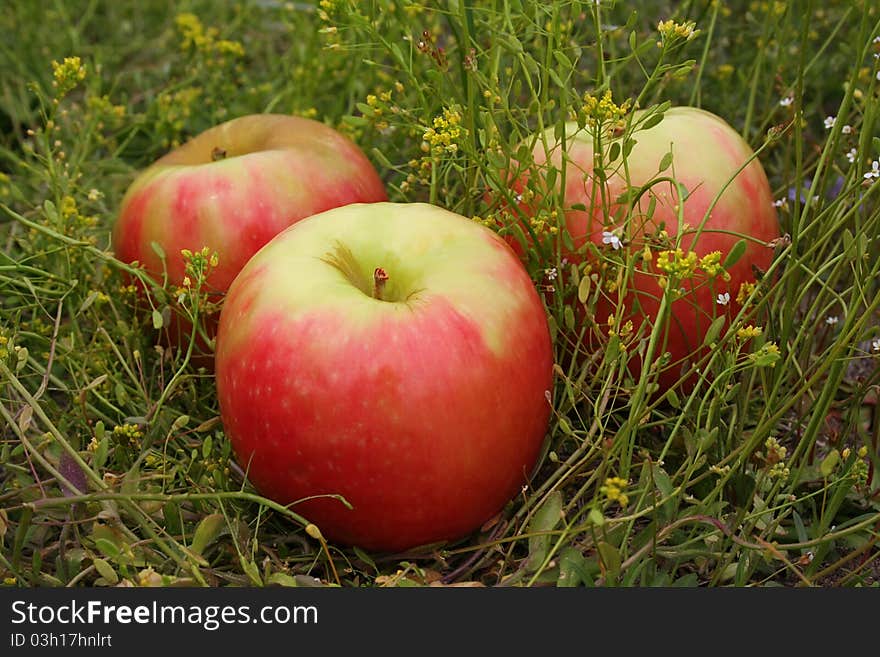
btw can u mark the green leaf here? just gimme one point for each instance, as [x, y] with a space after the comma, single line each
[87, 303]
[356, 121]
[108, 548]
[158, 250]
[714, 330]
[666, 161]
[568, 316]
[252, 571]
[172, 517]
[614, 151]
[281, 579]
[706, 438]
[180, 422]
[545, 520]
[562, 59]
[573, 569]
[381, 159]
[565, 427]
[610, 556]
[157, 319]
[735, 254]
[51, 212]
[207, 531]
[848, 239]
[652, 121]
[106, 571]
[829, 463]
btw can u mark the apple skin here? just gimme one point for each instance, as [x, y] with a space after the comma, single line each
[276, 170]
[707, 154]
[425, 410]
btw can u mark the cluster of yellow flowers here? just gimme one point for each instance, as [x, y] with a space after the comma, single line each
[198, 264]
[775, 459]
[745, 291]
[128, 435]
[604, 109]
[67, 75]
[671, 31]
[73, 218]
[613, 490]
[380, 105]
[175, 108]
[677, 263]
[104, 107]
[444, 134]
[195, 36]
[545, 222]
[680, 265]
[748, 332]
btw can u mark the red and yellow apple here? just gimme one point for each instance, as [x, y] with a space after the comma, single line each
[233, 188]
[397, 355]
[728, 199]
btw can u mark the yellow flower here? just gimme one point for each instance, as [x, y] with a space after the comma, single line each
[613, 490]
[445, 133]
[604, 109]
[745, 291]
[711, 264]
[671, 31]
[67, 74]
[128, 434]
[749, 331]
[677, 263]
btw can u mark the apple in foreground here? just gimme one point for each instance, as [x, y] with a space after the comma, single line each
[728, 199]
[233, 188]
[397, 355]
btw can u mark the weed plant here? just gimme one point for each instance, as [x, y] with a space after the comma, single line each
[114, 468]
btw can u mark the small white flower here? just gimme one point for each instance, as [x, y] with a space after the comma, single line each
[874, 172]
[876, 39]
[876, 344]
[610, 238]
[829, 122]
[878, 75]
[723, 299]
[847, 129]
[851, 156]
[785, 102]
[831, 320]
[550, 274]
[778, 203]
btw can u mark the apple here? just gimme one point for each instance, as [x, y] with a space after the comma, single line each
[397, 355]
[725, 184]
[234, 187]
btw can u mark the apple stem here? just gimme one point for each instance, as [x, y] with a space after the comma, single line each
[217, 153]
[380, 277]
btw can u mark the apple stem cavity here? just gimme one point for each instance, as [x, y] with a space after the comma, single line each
[380, 277]
[218, 153]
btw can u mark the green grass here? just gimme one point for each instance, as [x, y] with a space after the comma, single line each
[114, 466]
